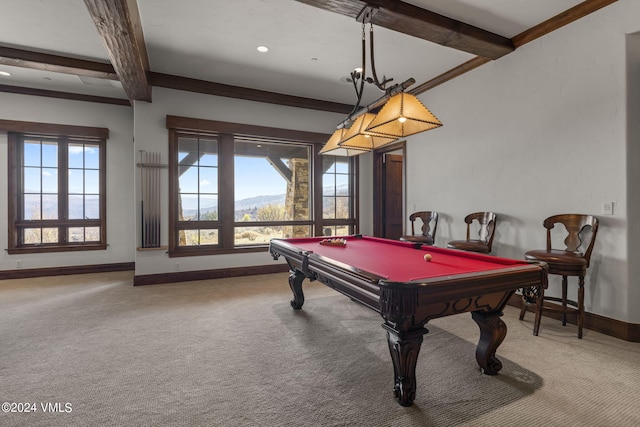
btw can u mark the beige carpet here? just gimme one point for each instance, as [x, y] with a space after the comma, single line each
[232, 352]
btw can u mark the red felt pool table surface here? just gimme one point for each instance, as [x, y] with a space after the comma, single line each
[398, 261]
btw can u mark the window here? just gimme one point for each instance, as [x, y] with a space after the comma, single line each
[57, 190]
[272, 192]
[198, 191]
[338, 203]
[235, 187]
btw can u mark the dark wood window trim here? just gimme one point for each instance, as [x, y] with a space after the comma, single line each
[54, 129]
[225, 132]
[64, 134]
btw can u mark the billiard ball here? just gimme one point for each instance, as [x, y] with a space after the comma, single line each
[427, 257]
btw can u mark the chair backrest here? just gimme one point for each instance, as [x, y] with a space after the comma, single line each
[427, 218]
[576, 226]
[486, 224]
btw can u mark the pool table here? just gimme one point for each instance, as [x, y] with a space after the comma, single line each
[395, 279]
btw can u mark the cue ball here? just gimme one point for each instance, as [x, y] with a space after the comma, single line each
[427, 257]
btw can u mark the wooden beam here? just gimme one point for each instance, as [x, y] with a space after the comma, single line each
[568, 16]
[189, 160]
[219, 89]
[56, 64]
[414, 21]
[449, 75]
[118, 23]
[281, 168]
[63, 95]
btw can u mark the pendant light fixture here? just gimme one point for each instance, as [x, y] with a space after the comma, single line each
[403, 115]
[400, 114]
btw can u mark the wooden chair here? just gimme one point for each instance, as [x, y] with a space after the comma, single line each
[428, 234]
[565, 262]
[487, 227]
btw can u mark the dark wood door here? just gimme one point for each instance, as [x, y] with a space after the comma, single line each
[392, 193]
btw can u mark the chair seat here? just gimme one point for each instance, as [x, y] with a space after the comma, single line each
[469, 245]
[427, 240]
[559, 260]
[555, 255]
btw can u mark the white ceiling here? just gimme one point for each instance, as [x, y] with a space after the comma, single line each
[311, 53]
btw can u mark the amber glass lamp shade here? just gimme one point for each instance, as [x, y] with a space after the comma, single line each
[403, 115]
[357, 137]
[332, 148]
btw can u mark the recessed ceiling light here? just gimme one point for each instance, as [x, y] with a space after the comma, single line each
[5, 73]
[262, 49]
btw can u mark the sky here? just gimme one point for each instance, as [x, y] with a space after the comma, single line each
[256, 177]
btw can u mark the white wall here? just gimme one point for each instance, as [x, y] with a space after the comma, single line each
[538, 132]
[119, 175]
[151, 135]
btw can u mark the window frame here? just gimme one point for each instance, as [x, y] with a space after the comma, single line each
[64, 135]
[226, 223]
[352, 176]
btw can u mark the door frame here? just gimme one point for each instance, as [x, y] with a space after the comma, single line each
[378, 205]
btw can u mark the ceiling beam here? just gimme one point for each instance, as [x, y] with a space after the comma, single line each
[560, 20]
[414, 21]
[229, 91]
[63, 95]
[118, 23]
[56, 64]
[449, 75]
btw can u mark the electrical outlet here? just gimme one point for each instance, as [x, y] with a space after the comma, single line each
[177, 266]
[18, 263]
[607, 208]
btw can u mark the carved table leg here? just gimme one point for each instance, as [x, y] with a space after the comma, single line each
[404, 348]
[492, 332]
[295, 283]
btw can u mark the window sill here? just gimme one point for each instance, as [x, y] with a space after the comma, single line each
[57, 248]
[185, 252]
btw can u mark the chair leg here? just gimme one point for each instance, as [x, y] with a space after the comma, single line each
[580, 305]
[564, 300]
[539, 305]
[523, 309]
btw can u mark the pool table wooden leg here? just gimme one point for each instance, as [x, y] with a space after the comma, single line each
[404, 348]
[492, 332]
[296, 278]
